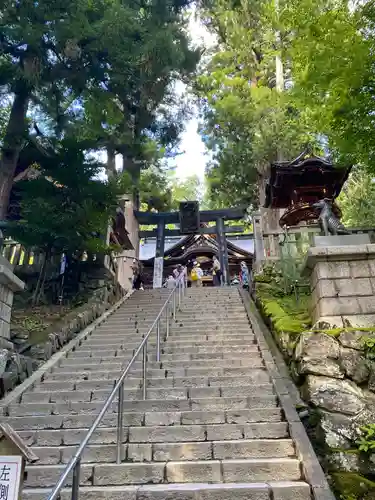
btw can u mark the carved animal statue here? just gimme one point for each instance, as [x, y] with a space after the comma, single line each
[328, 221]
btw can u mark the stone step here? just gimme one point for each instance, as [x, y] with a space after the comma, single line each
[105, 352]
[209, 329]
[255, 470]
[86, 348]
[210, 356]
[199, 367]
[147, 418]
[185, 358]
[170, 369]
[174, 336]
[255, 376]
[198, 404]
[122, 358]
[167, 349]
[162, 452]
[179, 336]
[159, 434]
[125, 355]
[276, 490]
[245, 362]
[187, 325]
[59, 396]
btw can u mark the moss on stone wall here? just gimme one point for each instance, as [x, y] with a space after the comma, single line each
[353, 486]
[288, 318]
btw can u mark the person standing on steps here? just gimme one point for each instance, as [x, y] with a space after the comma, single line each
[181, 274]
[196, 275]
[170, 282]
[244, 276]
[137, 275]
[216, 271]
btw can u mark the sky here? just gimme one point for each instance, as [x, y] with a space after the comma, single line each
[195, 156]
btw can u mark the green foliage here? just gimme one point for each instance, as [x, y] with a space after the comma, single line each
[65, 208]
[246, 122]
[327, 49]
[283, 321]
[332, 53]
[161, 191]
[369, 347]
[366, 443]
[352, 486]
[357, 199]
[98, 71]
[287, 310]
[187, 189]
[155, 193]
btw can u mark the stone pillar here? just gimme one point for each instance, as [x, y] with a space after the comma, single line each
[9, 283]
[342, 284]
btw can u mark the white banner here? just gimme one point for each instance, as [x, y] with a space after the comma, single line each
[158, 272]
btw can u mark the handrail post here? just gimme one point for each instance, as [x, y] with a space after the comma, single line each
[167, 321]
[174, 304]
[120, 414]
[158, 341]
[76, 479]
[144, 371]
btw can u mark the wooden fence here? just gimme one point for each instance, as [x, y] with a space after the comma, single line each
[295, 241]
[28, 260]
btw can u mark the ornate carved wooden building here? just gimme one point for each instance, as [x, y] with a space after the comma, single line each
[296, 185]
[201, 248]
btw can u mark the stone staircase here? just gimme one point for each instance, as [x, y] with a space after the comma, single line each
[211, 428]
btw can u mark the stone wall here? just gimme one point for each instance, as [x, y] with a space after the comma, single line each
[336, 379]
[342, 284]
[9, 283]
[15, 368]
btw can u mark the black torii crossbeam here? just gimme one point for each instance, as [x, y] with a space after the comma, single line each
[161, 219]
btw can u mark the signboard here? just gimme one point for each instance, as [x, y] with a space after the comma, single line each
[189, 217]
[158, 274]
[10, 477]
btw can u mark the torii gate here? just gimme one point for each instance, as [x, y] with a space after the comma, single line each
[161, 219]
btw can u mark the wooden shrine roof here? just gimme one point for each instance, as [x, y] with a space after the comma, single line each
[191, 246]
[303, 180]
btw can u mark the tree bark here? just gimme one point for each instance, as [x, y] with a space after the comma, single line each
[13, 141]
[134, 169]
[111, 162]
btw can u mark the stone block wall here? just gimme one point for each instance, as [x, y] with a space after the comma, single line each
[9, 283]
[6, 302]
[342, 284]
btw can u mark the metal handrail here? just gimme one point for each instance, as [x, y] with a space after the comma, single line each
[75, 462]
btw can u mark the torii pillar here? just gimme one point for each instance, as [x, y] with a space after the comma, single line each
[159, 254]
[223, 249]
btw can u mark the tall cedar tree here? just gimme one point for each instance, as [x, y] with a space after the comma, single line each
[63, 55]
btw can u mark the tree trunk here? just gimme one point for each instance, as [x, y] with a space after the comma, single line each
[134, 169]
[13, 140]
[111, 162]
